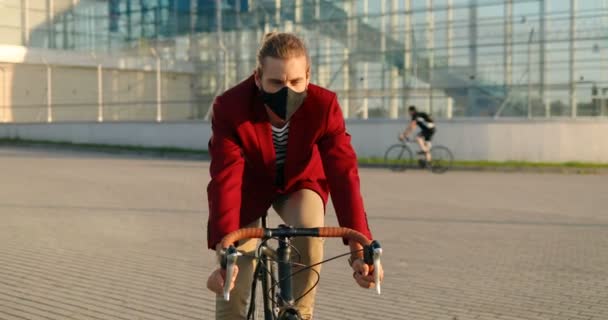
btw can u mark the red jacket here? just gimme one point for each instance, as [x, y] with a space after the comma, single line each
[319, 157]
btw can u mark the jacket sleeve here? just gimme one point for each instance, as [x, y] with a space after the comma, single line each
[340, 166]
[226, 169]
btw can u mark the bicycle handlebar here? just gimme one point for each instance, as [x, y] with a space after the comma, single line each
[371, 252]
[325, 232]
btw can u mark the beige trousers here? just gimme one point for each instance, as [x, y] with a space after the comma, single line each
[302, 209]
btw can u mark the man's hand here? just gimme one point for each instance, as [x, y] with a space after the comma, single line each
[216, 280]
[401, 137]
[362, 274]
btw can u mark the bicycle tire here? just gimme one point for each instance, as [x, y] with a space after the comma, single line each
[398, 157]
[289, 316]
[441, 159]
[268, 289]
[264, 308]
[255, 308]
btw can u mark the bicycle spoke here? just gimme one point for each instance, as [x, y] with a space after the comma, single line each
[441, 159]
[398, 157]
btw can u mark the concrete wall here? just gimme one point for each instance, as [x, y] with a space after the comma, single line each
[188, 135]
[551, 140]
[128, 86]
[12, 26]
[475, 139]
[128, 95]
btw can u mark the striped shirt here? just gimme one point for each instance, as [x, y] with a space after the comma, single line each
[279, 139]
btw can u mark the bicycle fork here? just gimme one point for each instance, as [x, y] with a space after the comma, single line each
[284, 264]
[287, 310]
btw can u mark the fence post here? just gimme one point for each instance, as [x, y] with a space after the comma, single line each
[159, 102]
[49, 92]
[99, 92]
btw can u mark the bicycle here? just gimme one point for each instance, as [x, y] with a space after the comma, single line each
[280, 304]
[399, 157]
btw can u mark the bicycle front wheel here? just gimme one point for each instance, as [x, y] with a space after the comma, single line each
[398, 157]
[261, 302]
[441, 159]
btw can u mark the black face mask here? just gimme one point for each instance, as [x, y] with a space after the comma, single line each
[284, 102]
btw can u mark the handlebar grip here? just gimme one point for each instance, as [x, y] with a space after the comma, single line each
[340, 232]
[245, 233]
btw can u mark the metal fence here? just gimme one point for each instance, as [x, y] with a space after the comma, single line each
[453, 58]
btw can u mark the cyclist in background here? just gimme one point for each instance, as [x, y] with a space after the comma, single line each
[427, 130]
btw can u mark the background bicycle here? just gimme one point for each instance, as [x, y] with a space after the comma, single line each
[400, 156]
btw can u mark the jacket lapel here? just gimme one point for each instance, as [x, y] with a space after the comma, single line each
[295, 137]
[264, 136]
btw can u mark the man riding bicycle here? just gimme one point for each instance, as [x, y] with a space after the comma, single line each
[280, 141]
[427, 130]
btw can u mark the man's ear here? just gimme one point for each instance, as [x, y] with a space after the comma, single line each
[307, 77]
[258, 78]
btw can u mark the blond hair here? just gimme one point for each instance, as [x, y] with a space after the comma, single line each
[281, 45]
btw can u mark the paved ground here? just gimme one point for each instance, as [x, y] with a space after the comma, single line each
[87, 236]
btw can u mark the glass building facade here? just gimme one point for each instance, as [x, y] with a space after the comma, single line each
[453, 58]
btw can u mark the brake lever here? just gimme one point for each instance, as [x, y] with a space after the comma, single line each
[371, 255]
[376, 255]
[228, 263]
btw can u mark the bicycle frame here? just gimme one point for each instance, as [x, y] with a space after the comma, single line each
[414, 142]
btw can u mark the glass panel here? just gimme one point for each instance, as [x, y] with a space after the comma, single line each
[474, 80]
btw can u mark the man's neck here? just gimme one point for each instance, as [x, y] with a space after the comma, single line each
[275, 120]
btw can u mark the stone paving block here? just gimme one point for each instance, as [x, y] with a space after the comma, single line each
[92, 237]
